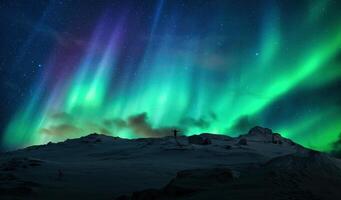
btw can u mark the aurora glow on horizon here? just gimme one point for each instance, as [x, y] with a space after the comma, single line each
[221, 72]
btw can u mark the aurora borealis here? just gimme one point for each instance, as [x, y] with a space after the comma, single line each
[138, 69]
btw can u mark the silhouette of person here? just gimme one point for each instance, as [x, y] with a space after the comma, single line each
[175, 132]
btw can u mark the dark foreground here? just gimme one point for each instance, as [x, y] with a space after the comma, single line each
[258, 165]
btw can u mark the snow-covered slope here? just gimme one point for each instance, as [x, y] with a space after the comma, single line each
[104, 167]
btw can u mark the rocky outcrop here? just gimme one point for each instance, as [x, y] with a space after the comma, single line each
[188, 181]
[20, 163]
[257, 130]
[302, 176]
[242, 141]
[185, 183]
[258, 133]
[308, 162]
[198, 139]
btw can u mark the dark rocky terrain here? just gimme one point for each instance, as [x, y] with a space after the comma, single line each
[258, 165]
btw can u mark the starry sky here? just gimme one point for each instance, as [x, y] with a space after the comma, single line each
[142, 68]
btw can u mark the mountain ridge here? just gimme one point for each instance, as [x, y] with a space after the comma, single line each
[98, 166]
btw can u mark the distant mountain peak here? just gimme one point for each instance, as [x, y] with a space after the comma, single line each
[258, 130]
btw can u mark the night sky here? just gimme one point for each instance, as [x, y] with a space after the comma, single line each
[141, 68]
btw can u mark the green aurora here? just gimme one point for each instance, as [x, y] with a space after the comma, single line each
[214, 81]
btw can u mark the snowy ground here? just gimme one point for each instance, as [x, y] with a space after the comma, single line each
[104, 167]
